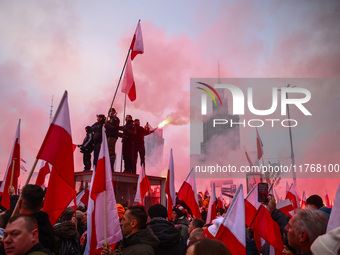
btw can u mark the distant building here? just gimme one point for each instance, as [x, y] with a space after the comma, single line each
[230, 133]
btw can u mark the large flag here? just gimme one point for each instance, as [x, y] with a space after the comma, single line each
[268, 229]
[102, 213]
[170, 185]
[249, 161]
[334, 219]
[251, 205]
[143, 186]
[188, 194]
[137, 46]
[286, 206]
[11, 174]
[128, 86]
[232, 231]
[212, 206]
[57, 150]
[43, 171]
[259, 145]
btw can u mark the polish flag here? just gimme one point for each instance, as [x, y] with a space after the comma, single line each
[137, 45]
[58, 151]
[43, 171]
[303, 201]
[334, 219]
[102, 214]
[328, 204]
[188, 194]
[81, 199]
[286, 207]
[251, 205]
[143, 186]
[249, 161]
[128, 86]
[220, 203]
[268, 229]
[11, 174]
[259, 145]
[293, 197]
[232, 231]
[212, 206]
[170, 185]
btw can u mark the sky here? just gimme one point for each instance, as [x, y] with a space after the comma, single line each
[48, 47]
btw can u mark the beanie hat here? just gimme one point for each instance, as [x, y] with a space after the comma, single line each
[327, 244]
[121, 211]
[315, 200]
[158, 210]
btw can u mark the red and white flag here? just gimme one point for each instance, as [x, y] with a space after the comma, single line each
[170, 186]
[220, 203]
[268, 229]
[11, 174]
[102, 214]
[259, 145]
[293, 197]
[143, 186]
[188, 194]
[57, 150]
[43, 171]
[303, 201]
[232, 231]
[212, 206]
[249, 161]
[334, 219]
[286, 206]
[137, 46]
[328, 204]
[128, 86]
[251, 205]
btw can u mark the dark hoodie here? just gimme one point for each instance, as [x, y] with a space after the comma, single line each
[46, 233]
[171, 241]
[142, 242]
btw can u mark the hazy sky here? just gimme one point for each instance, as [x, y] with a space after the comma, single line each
[47, 47]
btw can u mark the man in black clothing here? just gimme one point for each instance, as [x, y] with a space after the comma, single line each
[86, 148]
[128, 137]
[112, 130]
[97, 136]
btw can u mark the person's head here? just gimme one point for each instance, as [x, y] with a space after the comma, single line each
[31, 199]
[112, 112]
[128, 118]
[81, 216]
[158, 210]
[305, 226]
[196, 234]
[20, 235]
[67, 215]
[100, 117]
[180, 212]
[195, 223]
[207, 246]
[314, 201]
[137, 123]
[327, 244]
[88, 129]
[134, 219]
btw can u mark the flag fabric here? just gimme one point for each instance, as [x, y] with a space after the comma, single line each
[128, 86]
[170, 185]
[328, 204]
[249, 161]
[212, 206]
[232, 231]
[293, 197]
[58, 151]
[188, 194]
[12, 174]
[102, 203]
[334, 219]
[137, 46]
[43, 171]
[84, 199]
[259, 145]
[303, 201]
[251, 205]
[220, 203]
[268, 229]
[286, 207]
[143, 186]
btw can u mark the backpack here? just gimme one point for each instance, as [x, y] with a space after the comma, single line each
[69, 247]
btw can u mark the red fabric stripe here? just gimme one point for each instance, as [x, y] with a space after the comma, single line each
[167, 191]
[45, 170]
[187, 194]
[85, 198]
[144, 187]
[292, 198]
[233, 244]
[99, 179]
[250, 212]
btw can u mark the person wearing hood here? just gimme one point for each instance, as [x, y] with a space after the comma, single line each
[315, 202]
[171, 240]
[180, 219]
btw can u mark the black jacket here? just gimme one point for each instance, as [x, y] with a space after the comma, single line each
[46, 233]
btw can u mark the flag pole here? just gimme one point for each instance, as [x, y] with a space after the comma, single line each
[13, 166]
[27, 181]
[105, 232]
[121, 158]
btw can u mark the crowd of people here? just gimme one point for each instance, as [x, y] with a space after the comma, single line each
[151, 231]
[132, 135]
